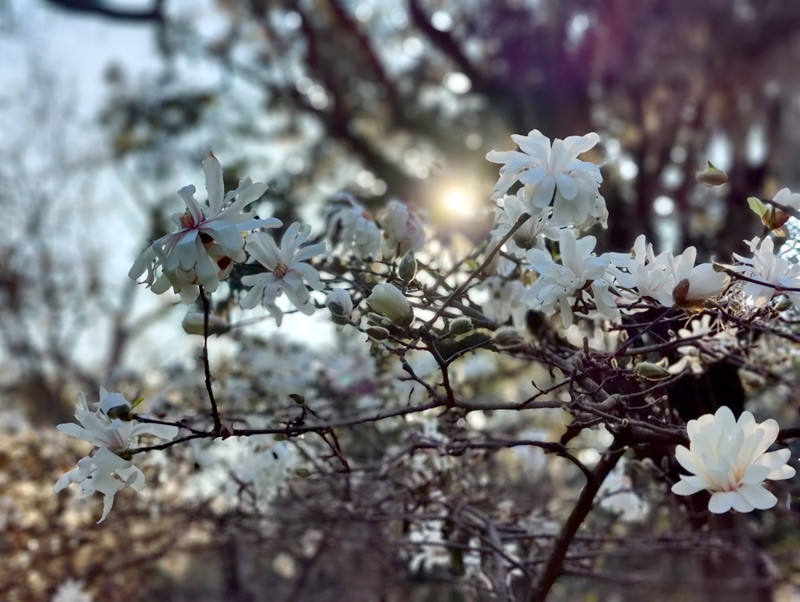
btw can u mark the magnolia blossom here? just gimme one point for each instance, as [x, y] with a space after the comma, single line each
[772, 271]
[402, 230]
[209, 238]
[288, 272]
[107, 427]
[505, 301]
[664, 278]
[553, 174]
[709, 344]
[339, 303]
[530, 233]
[729, 458]
[358, 231]
[106, 473]
[71, 590]
[616, 495]
[561, 284]
[104, 428]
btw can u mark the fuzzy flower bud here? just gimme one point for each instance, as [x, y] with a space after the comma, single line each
[378, 333]
[408, 267]
[340, 305]
[388, 301]
[711, 176]
[194, 323]
[461, 325]
[507, 337]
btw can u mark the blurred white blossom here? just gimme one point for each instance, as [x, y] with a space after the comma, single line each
[71, 590]
[402, 230]
[357, 230]
[770, 270]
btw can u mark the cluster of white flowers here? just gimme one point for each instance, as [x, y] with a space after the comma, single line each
[666, 279]
[113, 431]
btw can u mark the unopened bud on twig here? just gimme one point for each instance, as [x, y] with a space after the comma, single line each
[408, 267]
[194, 323]
[340, 305]
[461, 325]
[378, 333]
[507, 337]
[388, 301]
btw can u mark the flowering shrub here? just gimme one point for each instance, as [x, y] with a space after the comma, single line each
[605, 339]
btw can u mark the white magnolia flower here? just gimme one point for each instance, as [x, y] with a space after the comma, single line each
[71, 590]
[358, 231]
[645, 274]
[729, 458]
[616, 495]
[562, 283]
[769, 269]
[288, 272]
[553, 174]
[104, 428]
[209, 238]
[528, 235]
[387, 300]
[106, 473]
[402, 230]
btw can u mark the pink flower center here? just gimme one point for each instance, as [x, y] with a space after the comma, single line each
[186, 220]
[280, 270]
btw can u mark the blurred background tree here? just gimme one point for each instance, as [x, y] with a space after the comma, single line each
[405, 98]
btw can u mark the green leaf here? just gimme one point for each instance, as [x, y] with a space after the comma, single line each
[136, 402]
[757, 206]
[298, 399]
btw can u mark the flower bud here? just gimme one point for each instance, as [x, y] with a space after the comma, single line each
[680, 291]
[339, 303]
[388, 301]
[650, 371]
[114, 405]
[507, 337]
[408, 267]
[774, 218]
[711, 176]
[193, 323]
[782, 304]
[461, 325]
[378, 333]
